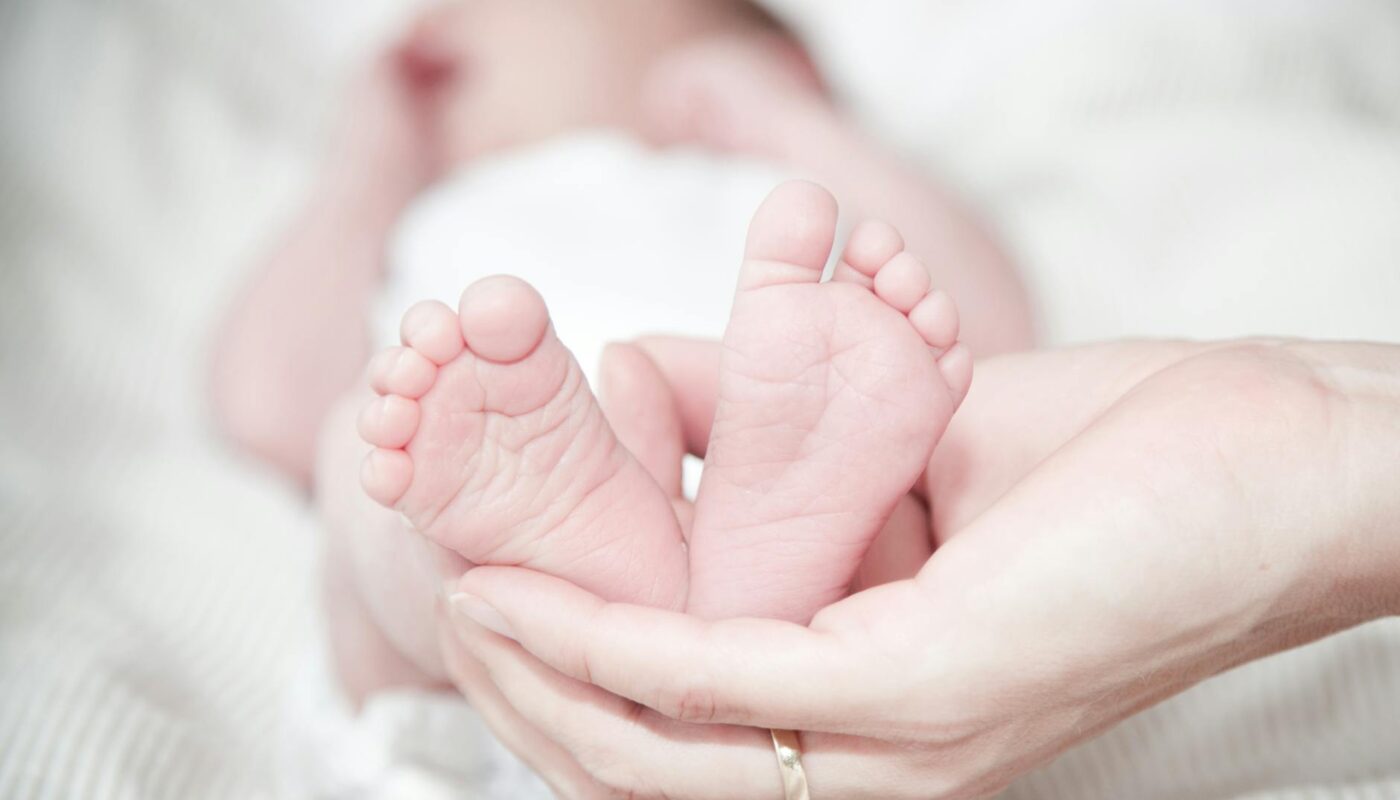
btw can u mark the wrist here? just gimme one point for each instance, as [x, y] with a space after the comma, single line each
[1378, 530]
[1364, 468]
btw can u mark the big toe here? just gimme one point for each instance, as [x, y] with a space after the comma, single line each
[790, 237]
[503, 318]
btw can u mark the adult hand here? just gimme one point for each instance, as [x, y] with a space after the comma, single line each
[1115, 524]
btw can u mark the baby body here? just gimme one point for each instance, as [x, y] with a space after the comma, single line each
[489, 447]
[675, 272]
[831, 396]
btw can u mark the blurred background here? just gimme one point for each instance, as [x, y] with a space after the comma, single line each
[1199, 169]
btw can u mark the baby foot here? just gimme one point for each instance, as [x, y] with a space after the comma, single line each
[491, 444]
[831, 399]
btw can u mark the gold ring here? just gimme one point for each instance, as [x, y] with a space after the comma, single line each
[789, 750]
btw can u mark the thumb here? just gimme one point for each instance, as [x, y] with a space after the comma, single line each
[691, 369]
[641, 408]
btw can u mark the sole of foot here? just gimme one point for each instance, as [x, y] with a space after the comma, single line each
[489, 441]
[832, 396]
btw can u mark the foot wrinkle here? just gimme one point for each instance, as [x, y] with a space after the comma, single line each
[802, 491]
[593, 483]
[465, 409]
[538, 437]
[561, 393]
[786, 518]
[868, 394]
[830, 403]
[771, 264]
[584, 514]
[514, 464]
[749, 464]
[450, 498]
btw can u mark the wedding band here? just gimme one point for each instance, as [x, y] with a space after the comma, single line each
[789, 750]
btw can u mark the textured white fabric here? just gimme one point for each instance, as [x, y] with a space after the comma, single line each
[156, 594]
[1199, 168]
[402, 744]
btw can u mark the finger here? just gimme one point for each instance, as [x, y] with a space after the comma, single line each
[640, 407]
[691, 367]
[639, 753]
[550, 761]
[904, 545]
[629, 750]
[1002, 431]
[764, 673]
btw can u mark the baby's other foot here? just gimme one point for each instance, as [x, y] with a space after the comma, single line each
[831, 399]
[491, 444]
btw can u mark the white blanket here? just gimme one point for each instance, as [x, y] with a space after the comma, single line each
[1194, 168]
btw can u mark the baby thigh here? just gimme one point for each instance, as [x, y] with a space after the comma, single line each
[381, 579]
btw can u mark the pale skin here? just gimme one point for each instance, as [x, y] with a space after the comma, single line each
[450, 90]
[1130, 519]
[445, 94]
[830, 399]
[755, 101]
[1070, 481]
[464, 81]
[1025, 632]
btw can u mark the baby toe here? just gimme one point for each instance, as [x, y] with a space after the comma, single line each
[956, 368]
[385, 475]
[936, 319]
[401, 371]
[790, 237]
[431, 328]
[871, 245]
[902, 282]
[389, 421]
[502, 318]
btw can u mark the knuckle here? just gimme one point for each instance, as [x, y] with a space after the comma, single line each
[962, 769]
[583, 665]
[1244, 402]
[620, 780]
[611, 767]
[1258, 382]
[692, 699]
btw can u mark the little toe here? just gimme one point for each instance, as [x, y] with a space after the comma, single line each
[431, 328]
[502, 318]
[389, 421]
[956, 367]
[871, 245]
[401, 371]
[385, 475]
[790, 237]
[902, 282]
[936, 319]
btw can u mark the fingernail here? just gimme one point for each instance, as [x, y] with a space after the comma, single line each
[482, 613]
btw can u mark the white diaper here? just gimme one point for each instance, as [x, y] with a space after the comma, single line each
[621, 241]
[402, 745]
